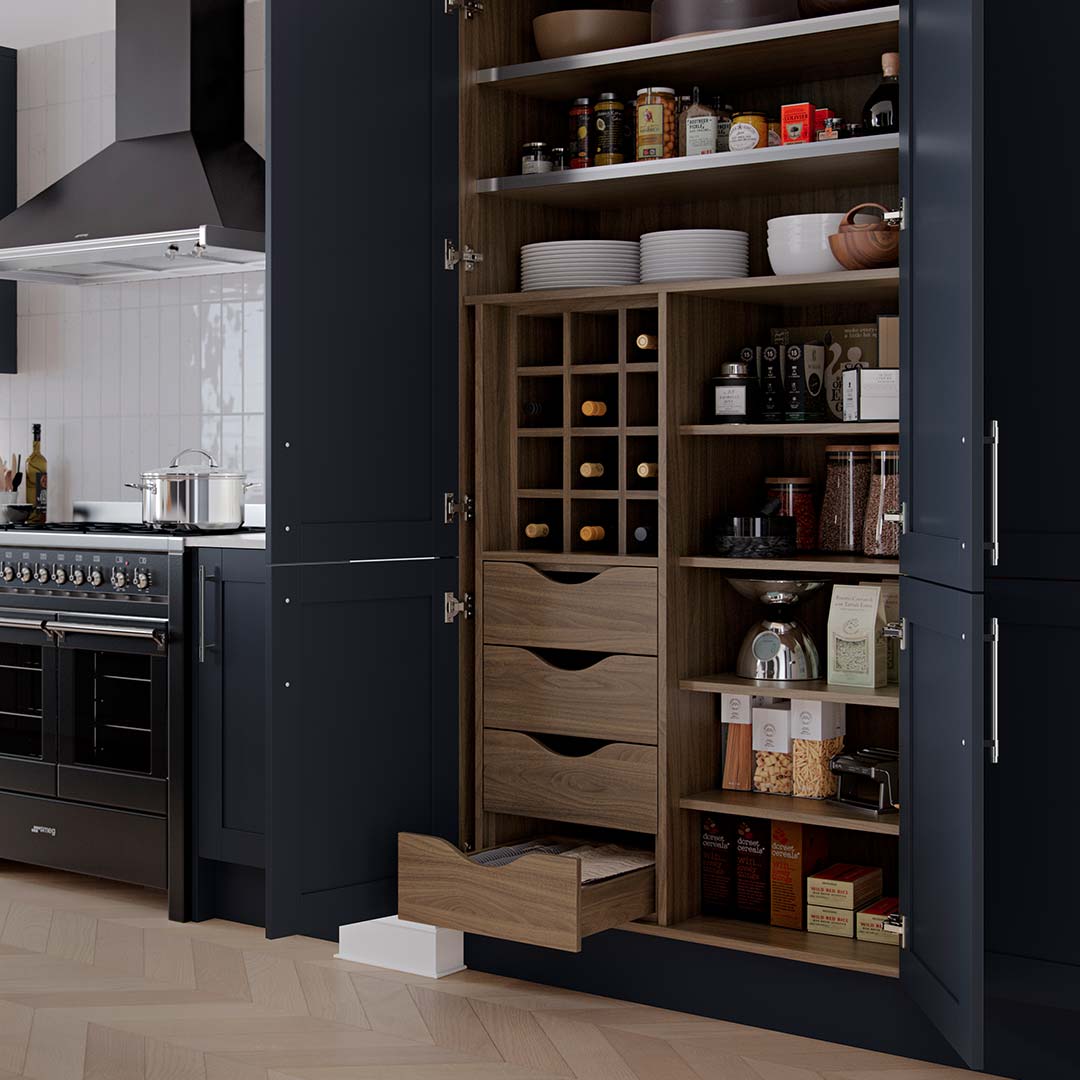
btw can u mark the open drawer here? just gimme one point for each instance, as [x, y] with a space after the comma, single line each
[538, 900]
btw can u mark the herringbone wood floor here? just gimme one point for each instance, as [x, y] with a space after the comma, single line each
[96, 983]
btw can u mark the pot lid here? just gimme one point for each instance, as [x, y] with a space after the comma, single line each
[210, 469]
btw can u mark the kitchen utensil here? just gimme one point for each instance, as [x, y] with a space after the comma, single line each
[198, 498]
[681, 18]
[800, 244]
[17, 513]
[755, 537]
[868, 780]
[779, 648]
[866, 246]
[813, 9]
[567, 33]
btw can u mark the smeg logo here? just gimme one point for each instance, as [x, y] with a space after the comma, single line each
[43, 830]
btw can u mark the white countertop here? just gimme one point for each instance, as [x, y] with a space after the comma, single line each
[247, 541]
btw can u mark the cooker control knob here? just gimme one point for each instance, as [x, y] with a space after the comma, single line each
[142, 579]
[78, 576]
[119, 578]
[96, 577]
[8, 572]
[25, 574]
[43, 575]
[59, 575]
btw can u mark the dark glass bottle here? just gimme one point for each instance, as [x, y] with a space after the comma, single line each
[881, 116]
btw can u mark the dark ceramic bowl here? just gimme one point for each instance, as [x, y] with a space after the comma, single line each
[16, 513]
[811, 9]
[680, 18]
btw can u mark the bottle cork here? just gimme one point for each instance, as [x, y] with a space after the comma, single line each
[648, 342]
[537, 531]
[594, 408]
[648, 470]
[593, 534]
[592, 470]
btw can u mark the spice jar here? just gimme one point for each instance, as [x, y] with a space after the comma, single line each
[535, 159]
[655, 123]
[724, 113]
[882, 538]
[749, 131]
[776, 133]
[734, 394]
[608, 118]
[843, 508]
[697, 128]
[796, 497]
[558, 159]
[581, 134]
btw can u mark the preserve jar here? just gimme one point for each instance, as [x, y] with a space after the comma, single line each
[581, 134]
[796, 497]
[843, 507]
[881, 538]
[656, 123]
[535, 159]
[608, 120]
[749, 131]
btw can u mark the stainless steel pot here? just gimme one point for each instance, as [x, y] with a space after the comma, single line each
[201, 499]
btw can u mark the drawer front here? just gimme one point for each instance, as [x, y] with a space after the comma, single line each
[614, 611]
[613, 698]
[537, 900]
[615, 787]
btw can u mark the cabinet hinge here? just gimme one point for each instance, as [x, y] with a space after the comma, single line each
[897, 631]
[454, 508]
[898, 517]
[898, 217]
[897, 924]
[470, 7]
[452, 258]
[453, 607]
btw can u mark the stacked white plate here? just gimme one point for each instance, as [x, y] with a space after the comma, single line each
[579, 264]
[689, 254]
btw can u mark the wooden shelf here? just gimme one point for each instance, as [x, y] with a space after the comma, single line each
[600, 493]
[540, 493]
[543, 369]
[888, 697]
[791, 52]
[558, 558]
[847, 953]
[643, 496]
[872, 159]
[735, 431]
[824, 813]
[810, 564]
[540, 433]
[845, 286]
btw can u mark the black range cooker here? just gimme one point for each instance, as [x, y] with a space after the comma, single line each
[93, 743]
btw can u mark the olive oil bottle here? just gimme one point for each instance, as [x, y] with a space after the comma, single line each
[37, 481]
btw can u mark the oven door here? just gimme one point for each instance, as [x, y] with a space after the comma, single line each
[27, 704]
[113, 689]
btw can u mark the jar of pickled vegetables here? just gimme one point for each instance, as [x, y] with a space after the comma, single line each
[656, 123]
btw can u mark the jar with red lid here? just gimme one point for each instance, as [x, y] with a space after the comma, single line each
[796, 497]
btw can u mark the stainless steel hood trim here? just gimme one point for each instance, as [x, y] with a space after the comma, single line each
[208, 249]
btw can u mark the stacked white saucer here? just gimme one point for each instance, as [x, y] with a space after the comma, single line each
[580, 264]
[689, 254]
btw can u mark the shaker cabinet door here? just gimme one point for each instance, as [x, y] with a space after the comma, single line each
[942, 451]
[363, 735]
[362, 315]
[943, 761]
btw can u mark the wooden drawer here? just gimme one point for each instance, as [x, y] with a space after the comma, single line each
[538, 900]
[614, 787]
[613, 698]
[614, 611]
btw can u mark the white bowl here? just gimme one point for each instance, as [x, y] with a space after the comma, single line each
[803, 259]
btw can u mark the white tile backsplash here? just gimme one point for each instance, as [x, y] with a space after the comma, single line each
[123, 377]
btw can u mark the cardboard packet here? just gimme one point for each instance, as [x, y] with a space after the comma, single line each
[869, 921]
[797, 851]
[845, 347]
[844, 885]
[835, 922]
[717, 865]
[752, 868]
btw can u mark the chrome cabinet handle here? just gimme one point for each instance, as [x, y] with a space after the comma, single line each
[204, 577]
[22, 624]
[149, 633]
[995, 706]
[994, 439]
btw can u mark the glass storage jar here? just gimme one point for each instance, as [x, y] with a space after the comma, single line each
[843, 509]
[656, 123]
[796, 497]
[535, 158]
[881, 538]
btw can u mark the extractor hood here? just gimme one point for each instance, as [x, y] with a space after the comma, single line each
[180, 191]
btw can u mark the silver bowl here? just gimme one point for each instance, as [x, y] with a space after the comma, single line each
[778, 649]
[775, 593]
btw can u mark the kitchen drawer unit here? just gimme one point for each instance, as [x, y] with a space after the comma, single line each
[607, 697]
[612, 611]
[537, 900]
[614, 786]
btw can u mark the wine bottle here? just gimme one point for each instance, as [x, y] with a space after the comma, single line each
[592, 470]
[538, 531]
[593, 534]
[37, 482]
[648, 342]
[881, 116]
[594, 409]
[532, 408]
[648, 470]
[643, 535]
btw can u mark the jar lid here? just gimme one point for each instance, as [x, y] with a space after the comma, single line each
[789, 480]
[761, 114]
[657, 90]
[535, 146]
[736, 369]
[847, 449]
[885, 448]
[609, 97]
[582, 101]
[558, 149]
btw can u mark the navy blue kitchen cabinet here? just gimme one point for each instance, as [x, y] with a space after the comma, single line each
[8, 202]
[229, 678]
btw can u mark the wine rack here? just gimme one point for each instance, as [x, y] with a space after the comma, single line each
[580, 414]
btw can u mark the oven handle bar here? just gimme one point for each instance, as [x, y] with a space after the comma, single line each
[146, 633]
[22, 624]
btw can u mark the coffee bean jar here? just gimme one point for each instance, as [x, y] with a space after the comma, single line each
[843, 509]
[881, 539]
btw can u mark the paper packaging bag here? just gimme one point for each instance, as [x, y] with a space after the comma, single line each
[797, 851]
[736, 714]
[858, 651]
[890, 591]
[717, 865]
[854, 346]
[752, 859]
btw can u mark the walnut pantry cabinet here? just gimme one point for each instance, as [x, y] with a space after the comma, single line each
[495, 612]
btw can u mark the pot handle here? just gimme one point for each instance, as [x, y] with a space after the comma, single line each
[205, 453]
[252, 484]
[849, 219]
[152, 488]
